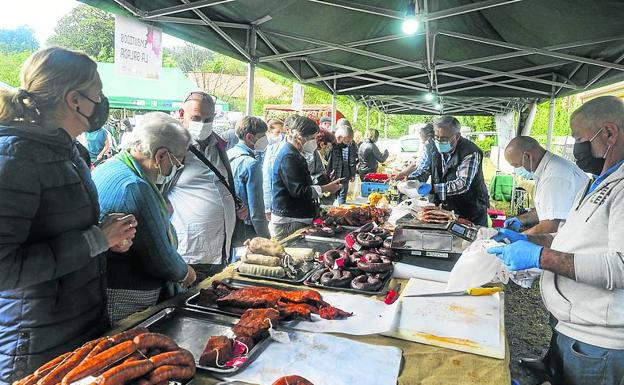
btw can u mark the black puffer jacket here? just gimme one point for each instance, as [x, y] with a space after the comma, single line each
[370, 157]
[52, 291]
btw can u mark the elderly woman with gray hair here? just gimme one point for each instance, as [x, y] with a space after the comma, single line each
[129, 182]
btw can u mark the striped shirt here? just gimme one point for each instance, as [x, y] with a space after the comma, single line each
[466, 173]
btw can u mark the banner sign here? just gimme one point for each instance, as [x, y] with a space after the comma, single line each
[138, 49]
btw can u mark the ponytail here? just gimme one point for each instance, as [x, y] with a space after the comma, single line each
[17, 105]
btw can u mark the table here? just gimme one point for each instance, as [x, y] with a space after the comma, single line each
[421, 365]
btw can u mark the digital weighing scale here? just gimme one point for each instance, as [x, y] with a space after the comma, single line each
[432, 245]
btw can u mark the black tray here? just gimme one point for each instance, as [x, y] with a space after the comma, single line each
[297, 281]
[191, 302]
[191, 329]
[382, 290]
[317, 245]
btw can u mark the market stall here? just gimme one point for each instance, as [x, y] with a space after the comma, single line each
[382, 329]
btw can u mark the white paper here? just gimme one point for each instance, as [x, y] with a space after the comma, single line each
[324, 360]
[370, 316]
[406, 271]
[470, 318]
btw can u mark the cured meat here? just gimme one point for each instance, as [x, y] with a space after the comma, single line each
[258, 297]
[255, 323]
[217, 352]
[292, 380]
[435, 215]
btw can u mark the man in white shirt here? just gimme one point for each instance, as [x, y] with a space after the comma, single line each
[557, 182]
[204, 213]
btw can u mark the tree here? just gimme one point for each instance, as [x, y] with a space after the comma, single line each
[10, 64]
[19, 39]
[87, 29]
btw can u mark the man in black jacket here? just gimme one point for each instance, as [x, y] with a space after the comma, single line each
[456, 173]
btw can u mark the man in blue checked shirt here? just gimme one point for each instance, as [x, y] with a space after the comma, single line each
[456, 171]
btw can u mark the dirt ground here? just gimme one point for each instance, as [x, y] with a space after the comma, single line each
[526, 321]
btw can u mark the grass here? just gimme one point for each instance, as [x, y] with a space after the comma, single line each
[489, 172]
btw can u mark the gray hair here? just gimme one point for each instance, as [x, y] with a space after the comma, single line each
[343, 122]
[448, 123]
[601, 110]
[158, 130]
[344, 131]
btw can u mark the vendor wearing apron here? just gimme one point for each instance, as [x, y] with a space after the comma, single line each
[456, 171]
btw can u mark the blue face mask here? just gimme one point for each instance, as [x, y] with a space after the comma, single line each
[443, 147]
[523, 172]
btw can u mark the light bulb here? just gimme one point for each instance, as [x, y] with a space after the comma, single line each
[410, 25]
[428, 96]
[437, 106]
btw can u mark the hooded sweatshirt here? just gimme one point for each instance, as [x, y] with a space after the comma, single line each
[590, 308]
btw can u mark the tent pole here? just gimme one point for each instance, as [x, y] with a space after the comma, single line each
[386, 126]
[333, 116]
[551, 122]
[251, 69]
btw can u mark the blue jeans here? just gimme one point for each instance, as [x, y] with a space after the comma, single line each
[576, 363]
[342, 194]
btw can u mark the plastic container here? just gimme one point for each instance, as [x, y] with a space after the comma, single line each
[371, 187]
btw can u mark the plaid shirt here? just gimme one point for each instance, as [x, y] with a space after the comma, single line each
[466, 172]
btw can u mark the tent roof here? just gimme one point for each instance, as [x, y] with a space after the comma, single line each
[164, 94]
[478, 56]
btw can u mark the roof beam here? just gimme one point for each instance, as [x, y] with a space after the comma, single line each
[349, 68]
[468, 8]
[220, 32]
[362, 8]
[486, 82]
[602, 73]
[130, 8]
[342, 47]
[316, 71]
[510, 55]
[316, 50]
[537, 51]
[376, 83]
[184, 7]
[272, 48]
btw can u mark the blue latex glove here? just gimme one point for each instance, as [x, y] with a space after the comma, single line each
[513, 224]
[519, 255]
[424, 189]
[510, 236]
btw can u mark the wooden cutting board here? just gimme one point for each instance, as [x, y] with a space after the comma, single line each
[464, 323]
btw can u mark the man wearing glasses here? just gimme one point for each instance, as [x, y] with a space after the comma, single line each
[456, 171]
[204, 210]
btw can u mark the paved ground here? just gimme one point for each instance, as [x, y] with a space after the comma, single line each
[528, 331]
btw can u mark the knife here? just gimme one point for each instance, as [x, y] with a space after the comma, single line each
[473, 291]
[392, 295]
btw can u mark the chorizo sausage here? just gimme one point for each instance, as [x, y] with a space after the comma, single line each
[155, 340]
[30, 379]
[56, 375]
[128, 335]
[180, 357]
[125, 372]
[96, 363]
[47, 367]
[170, 372]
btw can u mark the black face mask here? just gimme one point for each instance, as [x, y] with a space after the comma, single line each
[99, 116]
[585, 160]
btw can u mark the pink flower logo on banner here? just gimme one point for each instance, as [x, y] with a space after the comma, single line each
[153, 41]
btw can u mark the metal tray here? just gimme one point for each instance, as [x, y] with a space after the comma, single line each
[297, 281]
[319, 245]
[191, 302]
[191, 329]
[382, 290]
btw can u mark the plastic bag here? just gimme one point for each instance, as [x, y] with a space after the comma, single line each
[476, 267]
[409, 188]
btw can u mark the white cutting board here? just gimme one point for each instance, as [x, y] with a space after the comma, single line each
[465, 323]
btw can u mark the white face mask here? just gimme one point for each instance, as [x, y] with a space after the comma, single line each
[164, 179]
[261, 144]
[200, 130]
[309, 146]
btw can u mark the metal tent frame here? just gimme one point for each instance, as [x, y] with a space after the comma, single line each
[466, 54]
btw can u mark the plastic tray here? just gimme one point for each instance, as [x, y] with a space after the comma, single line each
[382, 290]
[191, 329]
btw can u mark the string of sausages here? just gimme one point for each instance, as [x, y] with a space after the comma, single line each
[135, 355]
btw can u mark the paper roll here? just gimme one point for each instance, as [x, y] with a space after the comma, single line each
[406, 271]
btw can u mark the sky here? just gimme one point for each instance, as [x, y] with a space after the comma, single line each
[42, 16]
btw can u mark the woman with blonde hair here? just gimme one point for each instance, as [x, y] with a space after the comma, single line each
[51, 266]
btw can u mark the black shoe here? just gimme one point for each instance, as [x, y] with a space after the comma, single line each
[533, 364]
